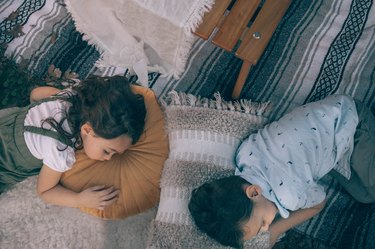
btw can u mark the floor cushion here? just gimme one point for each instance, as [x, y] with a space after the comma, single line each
[136, 172]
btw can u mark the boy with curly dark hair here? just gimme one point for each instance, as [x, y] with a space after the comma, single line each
[276, 186]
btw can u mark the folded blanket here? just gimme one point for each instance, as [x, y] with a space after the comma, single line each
[140, 35]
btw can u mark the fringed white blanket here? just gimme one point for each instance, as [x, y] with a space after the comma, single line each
[140, 35]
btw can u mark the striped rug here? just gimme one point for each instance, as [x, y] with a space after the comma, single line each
[321, 47]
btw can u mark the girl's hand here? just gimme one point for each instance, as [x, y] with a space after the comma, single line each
[52, 192]
[98, 197]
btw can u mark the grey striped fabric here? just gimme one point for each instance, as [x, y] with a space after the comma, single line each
[320, 48]
[203, 138]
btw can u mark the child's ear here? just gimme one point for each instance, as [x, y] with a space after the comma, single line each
[86, 129]
[252, 191]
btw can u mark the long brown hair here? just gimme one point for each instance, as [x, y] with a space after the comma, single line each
[108, 104]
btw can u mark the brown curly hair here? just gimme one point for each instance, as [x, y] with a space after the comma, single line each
[108, 104]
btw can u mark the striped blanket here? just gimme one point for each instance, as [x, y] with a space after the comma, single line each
[320, 48]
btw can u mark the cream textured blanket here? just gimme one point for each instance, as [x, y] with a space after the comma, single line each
[27, 222]
[203, 138]
[140, 35]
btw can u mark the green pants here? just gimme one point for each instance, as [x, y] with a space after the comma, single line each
[361, 184]
[16, 161]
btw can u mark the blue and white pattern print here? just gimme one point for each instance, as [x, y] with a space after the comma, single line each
[287, 157]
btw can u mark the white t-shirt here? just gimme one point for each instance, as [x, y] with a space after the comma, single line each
[46, 148]
[287, 157]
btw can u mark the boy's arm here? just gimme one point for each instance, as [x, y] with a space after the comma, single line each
[42, 92]
[51, 191]
[297, 217]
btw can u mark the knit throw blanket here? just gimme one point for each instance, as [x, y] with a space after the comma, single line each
[141, 35]
[203, 138]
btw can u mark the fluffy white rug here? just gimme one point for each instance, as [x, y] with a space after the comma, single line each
[27, 222]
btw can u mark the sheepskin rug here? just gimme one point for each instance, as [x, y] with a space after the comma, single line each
[27, 222]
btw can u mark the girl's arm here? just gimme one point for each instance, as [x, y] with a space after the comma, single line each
[297, 217]
[42, 92]
[51, 191]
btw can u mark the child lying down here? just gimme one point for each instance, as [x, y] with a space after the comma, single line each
[275, 186]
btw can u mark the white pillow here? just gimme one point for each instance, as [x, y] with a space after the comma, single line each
[203, 136]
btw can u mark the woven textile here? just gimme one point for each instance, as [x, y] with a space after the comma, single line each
[319, 48]
[138, 34]
[204, 135]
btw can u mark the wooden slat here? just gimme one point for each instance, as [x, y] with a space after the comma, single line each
[212, 18]
[265, 23]
[241, 79]
[234, 24]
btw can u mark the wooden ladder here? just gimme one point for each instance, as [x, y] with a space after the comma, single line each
[232, 27]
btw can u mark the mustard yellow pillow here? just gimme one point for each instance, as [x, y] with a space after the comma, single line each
[136, 172]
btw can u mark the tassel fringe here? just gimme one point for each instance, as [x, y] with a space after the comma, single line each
[243, 105]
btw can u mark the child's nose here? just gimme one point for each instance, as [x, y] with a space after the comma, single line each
[264, 228]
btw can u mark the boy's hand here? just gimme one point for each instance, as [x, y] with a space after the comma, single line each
[98, 197]
[295, 218]
[274, 238]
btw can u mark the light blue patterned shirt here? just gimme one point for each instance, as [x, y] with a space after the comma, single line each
[287, 157]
